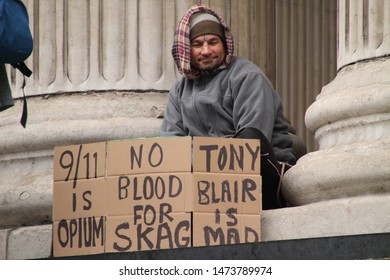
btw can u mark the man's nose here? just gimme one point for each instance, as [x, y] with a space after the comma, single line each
[205, 49]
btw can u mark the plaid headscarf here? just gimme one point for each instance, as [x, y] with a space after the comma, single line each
[181, 49]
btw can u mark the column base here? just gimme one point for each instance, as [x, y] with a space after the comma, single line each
[351, 121]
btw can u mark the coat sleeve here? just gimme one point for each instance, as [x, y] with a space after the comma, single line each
[253, 104]
[257, 105]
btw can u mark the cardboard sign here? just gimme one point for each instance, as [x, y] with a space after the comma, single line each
[155, 193]
[84, 161]
[150, 155]
[226, 191]
[210, 229]
[163, 192]
[81, 236]
[226, 155]
[212, 191]
[87, 199]
[148, 232]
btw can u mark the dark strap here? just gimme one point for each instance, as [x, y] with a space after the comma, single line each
[23, 68]
[23, 119]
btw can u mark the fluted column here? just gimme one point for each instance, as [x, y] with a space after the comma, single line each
[101, 71]
[351, 116]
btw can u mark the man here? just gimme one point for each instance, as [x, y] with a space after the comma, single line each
[222, 95]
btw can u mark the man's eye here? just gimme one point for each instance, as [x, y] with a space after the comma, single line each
[213, 42]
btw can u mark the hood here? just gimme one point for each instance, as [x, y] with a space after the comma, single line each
[181, 49]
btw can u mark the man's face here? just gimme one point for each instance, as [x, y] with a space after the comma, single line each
[207, 52]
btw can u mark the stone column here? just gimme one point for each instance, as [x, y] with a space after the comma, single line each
[351, 116]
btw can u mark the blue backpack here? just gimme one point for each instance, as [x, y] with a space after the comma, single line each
[16, 42]
[16, 45]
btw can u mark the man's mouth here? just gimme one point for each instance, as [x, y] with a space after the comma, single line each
[208, 59]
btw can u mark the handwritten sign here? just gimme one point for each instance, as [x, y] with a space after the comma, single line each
[145, 231]
[226, 155]
[155, 193]
[226, 191]
[224, 229]
[149, 155]
[146, 194]
[85, 161]
[81, 236]
[78, 199]
[126, 193]
[147, 212]
[87, 199]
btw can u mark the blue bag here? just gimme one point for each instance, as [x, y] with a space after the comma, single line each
[16, 41]
[16, 45]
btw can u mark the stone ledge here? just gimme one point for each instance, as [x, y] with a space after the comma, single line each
[341, 217]
[3, 243]
[85, 117]
[335, 221]
[30, 243]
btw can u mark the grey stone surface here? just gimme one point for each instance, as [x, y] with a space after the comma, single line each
[30, 242]
[25, 191]
[3, 243]
[350, 216]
